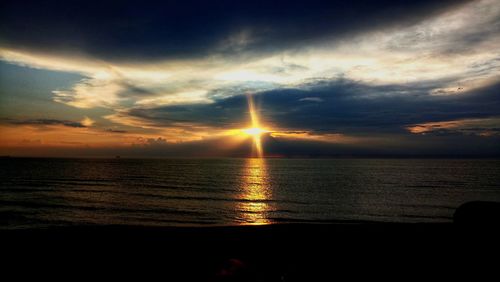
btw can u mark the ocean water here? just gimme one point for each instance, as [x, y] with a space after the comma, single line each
[179, 192]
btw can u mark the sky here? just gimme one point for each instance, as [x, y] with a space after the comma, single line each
[174, 79]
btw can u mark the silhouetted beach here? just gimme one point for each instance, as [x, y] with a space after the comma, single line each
[278, 252]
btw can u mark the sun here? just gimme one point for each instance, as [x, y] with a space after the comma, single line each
[254, 131]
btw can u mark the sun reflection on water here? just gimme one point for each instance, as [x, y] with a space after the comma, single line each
[256, 192]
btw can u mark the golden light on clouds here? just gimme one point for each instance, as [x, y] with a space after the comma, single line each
[484, 127]
[87, 122]
[329, 137]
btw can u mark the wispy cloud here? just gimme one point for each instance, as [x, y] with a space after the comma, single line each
[47, 122]
[485, 127]
[87, 122]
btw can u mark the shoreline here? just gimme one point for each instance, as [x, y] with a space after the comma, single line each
[280, 252]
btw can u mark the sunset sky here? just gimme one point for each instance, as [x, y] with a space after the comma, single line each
[144, 79]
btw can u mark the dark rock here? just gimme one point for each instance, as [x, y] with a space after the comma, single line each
[478, 212]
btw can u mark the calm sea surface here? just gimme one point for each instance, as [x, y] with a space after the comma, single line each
[52, 192]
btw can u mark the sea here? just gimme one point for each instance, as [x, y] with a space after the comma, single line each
[48, 192]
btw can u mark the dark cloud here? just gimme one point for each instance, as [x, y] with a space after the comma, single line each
[229, 112]
[115, 130]
[128, 30]
[340, 106]
[43, 122]
[350, 107]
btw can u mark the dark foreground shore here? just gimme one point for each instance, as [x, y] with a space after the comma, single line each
[251, 253]
[283, 252]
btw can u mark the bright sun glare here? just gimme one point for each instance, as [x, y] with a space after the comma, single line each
[254, 131]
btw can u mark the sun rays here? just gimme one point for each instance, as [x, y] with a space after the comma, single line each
[255, 131]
